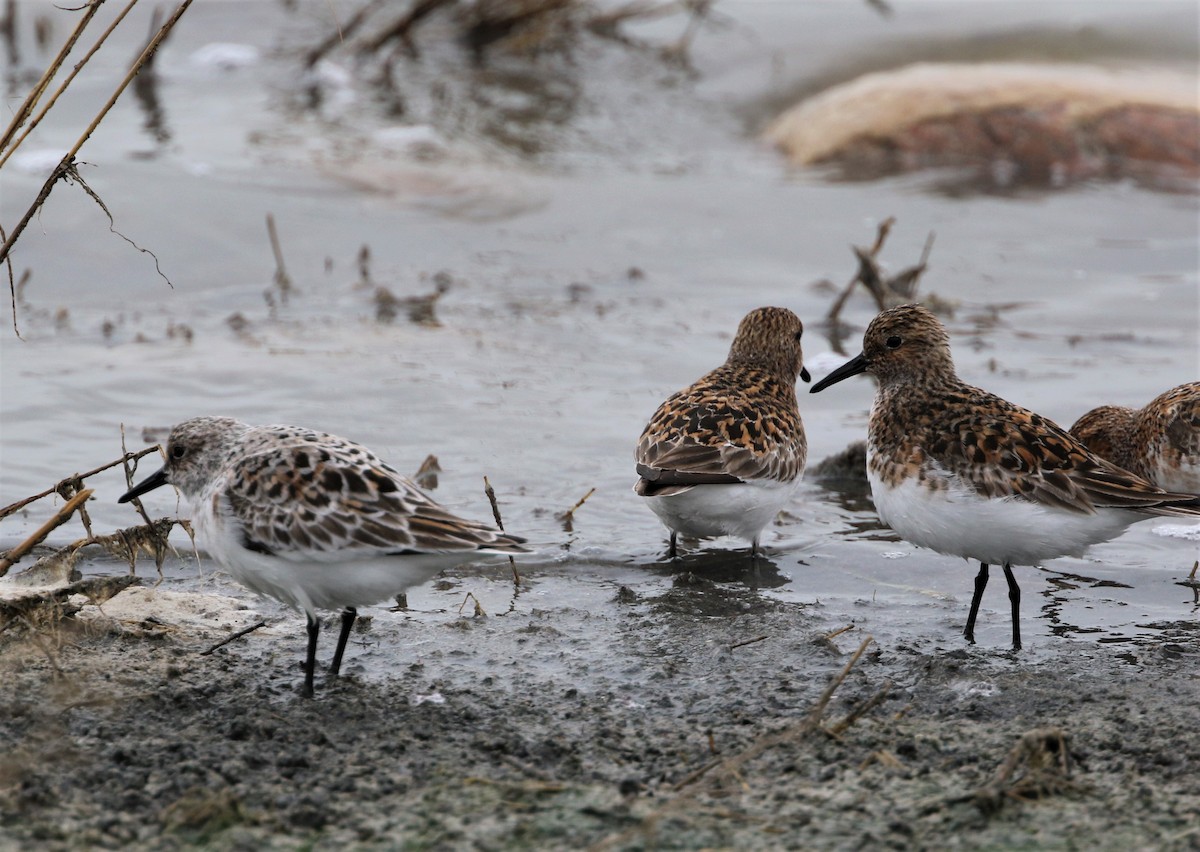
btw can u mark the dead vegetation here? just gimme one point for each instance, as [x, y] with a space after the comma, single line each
[42, 97]
[1039, 765]
[887, 291]
[41, 591]
[485, 29]
[520, 76]
[490, 493]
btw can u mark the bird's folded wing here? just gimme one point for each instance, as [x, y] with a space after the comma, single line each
[303, 504]
[1024, 455]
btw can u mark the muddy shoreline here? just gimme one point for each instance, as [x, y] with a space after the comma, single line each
[121, 733]
[594, 708]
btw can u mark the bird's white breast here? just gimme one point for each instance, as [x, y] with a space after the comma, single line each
[741, 510]
[959, 521]
[332, 580]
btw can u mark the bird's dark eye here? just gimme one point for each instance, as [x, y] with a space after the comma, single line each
[799, 334]
[178, 451]
[893, 342]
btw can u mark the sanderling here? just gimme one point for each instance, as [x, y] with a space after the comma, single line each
[1160, 442]
[311, 519]
[959, 470]
[723, 456]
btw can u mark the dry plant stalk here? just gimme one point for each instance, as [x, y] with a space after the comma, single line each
[1192, 583]
[1047, 760]
[67, 167]
[281, 280]
[70, 486]
[491, 495]
[233, 637]
[746, 642]
[567, 518]
[838, 632]
[64, 514]
[39, 88]
[887, 292]
[479, 610]
[150, 537]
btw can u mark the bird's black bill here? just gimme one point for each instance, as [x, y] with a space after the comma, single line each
[804, 375]
[151, 482]
[853, 367]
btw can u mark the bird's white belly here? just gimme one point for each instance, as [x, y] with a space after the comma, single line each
[335, 581]
[959, 521]
[741, 510]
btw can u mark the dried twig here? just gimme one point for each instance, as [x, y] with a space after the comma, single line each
[886, 291]
[129, 471]
[567, 518]
[861, 710]
[281, 280]
[233, 637]
[402, 28]
[745, 642]
[491, 495]
[1047, 760]
[479, 610]
[69, 486]
[67, 167]
[129, 542]
[341, 33]
[8, 149]
[839, 632]
[881, 235]
[63, 515]
[26, 109]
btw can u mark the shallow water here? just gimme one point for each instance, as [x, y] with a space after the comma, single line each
[551, 352]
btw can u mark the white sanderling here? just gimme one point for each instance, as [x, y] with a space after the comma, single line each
[1160, 442]
[964, 472]
[723, 456]
[313, 520]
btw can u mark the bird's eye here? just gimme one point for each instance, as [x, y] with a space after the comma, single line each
[893, 342]
[178, 451]
[799, 334]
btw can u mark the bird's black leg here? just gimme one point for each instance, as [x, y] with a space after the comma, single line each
[348, 617]
[754, 548]
[310, 662]
[980, 584]
[671, 552]
[1014, 595]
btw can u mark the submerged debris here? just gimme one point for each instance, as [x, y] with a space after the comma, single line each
[420, 310]
[888, 291]
[848, 466]
[512, 72]
[427, 474]
[567, 518]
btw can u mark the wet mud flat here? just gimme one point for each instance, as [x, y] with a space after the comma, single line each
[683, 718]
